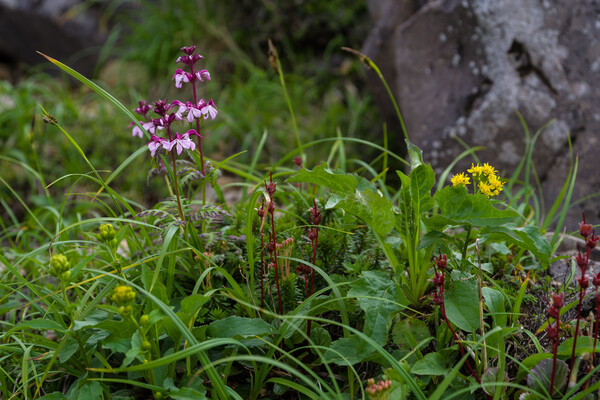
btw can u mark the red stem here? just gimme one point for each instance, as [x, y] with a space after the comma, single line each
[456, 338]
[554, 350]
[312, 279]
[576, 327]
[274, 243]
[262, 267]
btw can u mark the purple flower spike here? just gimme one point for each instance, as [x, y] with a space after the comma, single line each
[189, 50]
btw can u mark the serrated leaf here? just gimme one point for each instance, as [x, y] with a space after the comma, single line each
[462, 305]
[463, 208]
[371, 207]
[528, 237]
[335, 180]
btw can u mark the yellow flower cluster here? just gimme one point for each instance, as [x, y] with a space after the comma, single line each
[485, 179]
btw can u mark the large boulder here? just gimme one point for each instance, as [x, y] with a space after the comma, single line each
[462, 69]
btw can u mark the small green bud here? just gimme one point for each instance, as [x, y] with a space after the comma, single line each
[65, 276]
[107, 234]
[59, 264]
[123, 295]
[144, 319]
[125, 311]
[146, 345]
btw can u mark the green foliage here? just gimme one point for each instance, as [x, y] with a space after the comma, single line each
[105, 296]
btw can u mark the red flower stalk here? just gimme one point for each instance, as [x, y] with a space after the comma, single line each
[438, 298]
[596, 282]
[553, 329]
[272, 246]
[582, 261]
[313, 235]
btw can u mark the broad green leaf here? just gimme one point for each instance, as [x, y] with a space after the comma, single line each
[431, 364]
[474, 209]
[528, 363]
[239, 328]
[539, 378]
[91, 390]
[41, 324]
[584, 345]
[67, 351]
[354, 195]
[335, 180]
[462, 305]
[408, 332]
[495, 302]
[371, 207]
[528, 237]
[376, 295]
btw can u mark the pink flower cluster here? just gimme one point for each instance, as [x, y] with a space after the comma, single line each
[189, 111]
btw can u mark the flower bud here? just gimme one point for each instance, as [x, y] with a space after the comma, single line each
[146, 345]
[59, 264]
[144, 320]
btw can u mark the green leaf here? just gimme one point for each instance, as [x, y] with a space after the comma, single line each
[528, 363]
[371, 207]
[463, 208]
[240, 328]
[70, 348]
[356, 196]
[41, 324]
[90, 390]
[528, 237]
[431, 364]
[495, 302]
[408, 332]
[462, 305]
[335, 180]
[53, 396]
[539, 377]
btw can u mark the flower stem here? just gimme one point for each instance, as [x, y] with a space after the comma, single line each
[177, 186]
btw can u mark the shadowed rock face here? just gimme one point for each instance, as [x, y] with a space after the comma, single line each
[54, 27]
[460, 69]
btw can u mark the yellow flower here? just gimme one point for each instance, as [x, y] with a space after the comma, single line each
[475, 169]
[460, 179]
[488, 170]
[486, 189]
[495, 183]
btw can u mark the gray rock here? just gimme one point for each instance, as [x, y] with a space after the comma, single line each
[460, 69]
[54, 27]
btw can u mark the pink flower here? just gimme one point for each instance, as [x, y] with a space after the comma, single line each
[208, 109]
[136, 131]
[180, 142]
[202, 75]
[155, 144]
[182, 76]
